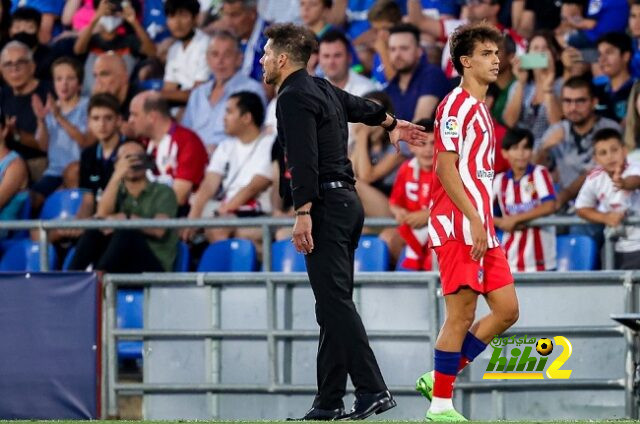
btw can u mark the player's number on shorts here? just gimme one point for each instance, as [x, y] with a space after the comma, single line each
[554, 370]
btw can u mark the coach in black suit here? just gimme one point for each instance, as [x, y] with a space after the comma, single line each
[312, 125]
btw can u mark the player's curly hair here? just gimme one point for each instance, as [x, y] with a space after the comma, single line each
[295, 41]
[464, 39]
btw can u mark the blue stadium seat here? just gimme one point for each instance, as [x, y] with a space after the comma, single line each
[233, 255]
[284, 258]
[372, 254]
[68, 259]
[62, 204]
[181, 263]
[576, 253]
[24, 255]
[129, 313]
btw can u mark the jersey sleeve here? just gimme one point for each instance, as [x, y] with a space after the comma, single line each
[587, 196]
[192, 160]
[543, 184]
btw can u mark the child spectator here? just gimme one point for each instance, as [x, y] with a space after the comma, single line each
[62, 126]
[409, 202]
[521, 194]
[187, 57]
[610, 193]
[602, 16]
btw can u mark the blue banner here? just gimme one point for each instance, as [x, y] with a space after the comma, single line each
[49, 346]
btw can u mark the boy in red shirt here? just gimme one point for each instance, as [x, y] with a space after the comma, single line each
[409, 202]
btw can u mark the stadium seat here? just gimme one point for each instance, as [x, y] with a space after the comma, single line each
[399, 266]
[68, 259]
[24, 255]
[181, 263]
[129, 313]
[576, 253]
[233, 255]
[372, 254]
[284, 258]
[62, 204]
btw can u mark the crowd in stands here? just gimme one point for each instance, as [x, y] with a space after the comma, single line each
[157, 109]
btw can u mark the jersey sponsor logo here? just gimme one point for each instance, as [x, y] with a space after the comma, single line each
[483, 173]
[451, 127]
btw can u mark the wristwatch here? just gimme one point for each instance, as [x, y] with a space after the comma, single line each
[299, 213]
[393, 124]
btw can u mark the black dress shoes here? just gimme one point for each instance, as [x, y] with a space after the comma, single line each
[367, 404]
[317, 414]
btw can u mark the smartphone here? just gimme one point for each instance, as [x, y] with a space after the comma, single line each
[589, 55]
[534, 61]
[143, 162]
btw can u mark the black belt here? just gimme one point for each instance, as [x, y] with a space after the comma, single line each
[330, 185]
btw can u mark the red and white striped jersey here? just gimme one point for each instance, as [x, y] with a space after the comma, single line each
[463, 125]
[531, 249]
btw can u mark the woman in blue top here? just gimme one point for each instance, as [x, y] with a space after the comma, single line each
[13, 180]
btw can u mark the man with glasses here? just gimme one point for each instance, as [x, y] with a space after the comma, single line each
[18, 71]
[567, 146]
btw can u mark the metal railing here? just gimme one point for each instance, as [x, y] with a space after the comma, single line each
[267, 224]
[272, 334]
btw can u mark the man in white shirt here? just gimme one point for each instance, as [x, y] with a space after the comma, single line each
[239, 173]
[187, 57]
[611, 192]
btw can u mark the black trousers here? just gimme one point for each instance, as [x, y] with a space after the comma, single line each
[343, 347]
[123, 251]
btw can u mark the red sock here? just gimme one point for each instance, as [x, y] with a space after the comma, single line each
[464, 361]
[443, 385]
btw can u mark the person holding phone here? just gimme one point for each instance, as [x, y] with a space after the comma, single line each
[532, 101]
[130, 195]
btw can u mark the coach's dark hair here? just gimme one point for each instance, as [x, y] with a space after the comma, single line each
[71, 62]
[385, 10]
[620, 40]
[248, 102]
[297, 42]
[26, 13]
[105, 100]
[334, 35]
[171, 7]
[426, 123]
[515, 135]
[580, 82]
[409, 28]
[157, 103]
[607, 134]
[464, 39]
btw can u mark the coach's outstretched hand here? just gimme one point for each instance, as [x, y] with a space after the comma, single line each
[409, 132]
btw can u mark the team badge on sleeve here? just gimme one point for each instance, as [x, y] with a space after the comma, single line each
[451, 127]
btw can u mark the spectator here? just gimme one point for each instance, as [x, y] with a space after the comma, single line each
[529, 16]
[409, 202]
[62, 127]
[577, 63]
[505, 80]
[567, 146]
[418, 86]
[632, 124]
[314, 15]
[334, 59]
[242, 18]
[602, 16]
[383, 16]
[614, 56]
[25, 24]
[178, 153]
[187, 57]
[352, 15]
[5, 19]
[532, 101]
[96, 161]
[77, 14]
[50, 10]
[16, 61]
[441, 29]
[634, 31]
[130, 195]
[523, 193]
[440, 9]
[239, 173]
[500, 163]
[110, 76]
[278, 11]
[13, 181]
[611, 193]
[205, 108]
[107, 33]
